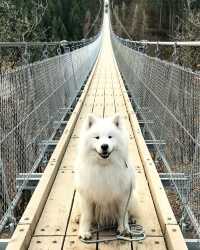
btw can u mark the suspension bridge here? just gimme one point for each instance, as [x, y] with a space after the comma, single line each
[155, 98]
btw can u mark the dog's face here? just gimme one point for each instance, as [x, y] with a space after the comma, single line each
[103, 136]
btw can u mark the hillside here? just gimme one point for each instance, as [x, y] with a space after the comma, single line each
[48, 20]
[160, 20]
[156, 19]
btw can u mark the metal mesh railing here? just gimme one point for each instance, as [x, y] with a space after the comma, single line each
[167, 97]
[15, 54]
[32, 98]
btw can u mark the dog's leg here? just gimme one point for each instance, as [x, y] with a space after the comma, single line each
[123, 226]
[133, 208]
[86, 219]
[78, 212]
[77, 218]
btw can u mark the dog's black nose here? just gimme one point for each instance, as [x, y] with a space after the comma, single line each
[104, 147]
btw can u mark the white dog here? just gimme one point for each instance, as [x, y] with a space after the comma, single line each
[104, 179]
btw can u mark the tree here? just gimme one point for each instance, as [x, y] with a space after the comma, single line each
[20, 19]
[46, 20]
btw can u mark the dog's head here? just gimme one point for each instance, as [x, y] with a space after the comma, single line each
[103, 137]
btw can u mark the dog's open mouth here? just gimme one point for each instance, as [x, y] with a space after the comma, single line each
[104, 155]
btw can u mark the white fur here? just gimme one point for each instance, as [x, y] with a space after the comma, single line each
[103, 185]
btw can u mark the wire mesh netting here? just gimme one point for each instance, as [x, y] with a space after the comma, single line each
[167, 97]
[32, 98]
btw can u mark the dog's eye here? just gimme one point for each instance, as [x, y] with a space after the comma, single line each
[97, 137]
[110, 137]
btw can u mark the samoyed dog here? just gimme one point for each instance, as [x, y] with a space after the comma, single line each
[104, 179]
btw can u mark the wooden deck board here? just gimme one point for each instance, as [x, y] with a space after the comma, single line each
[153, 243]
[54, 218]
[73, 243]
[46, 243]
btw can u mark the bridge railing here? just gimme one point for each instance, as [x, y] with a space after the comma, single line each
[167, 98]
[15, 54]
[184, 53]
[34, 99]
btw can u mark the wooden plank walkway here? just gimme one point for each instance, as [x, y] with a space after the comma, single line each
[49, 220]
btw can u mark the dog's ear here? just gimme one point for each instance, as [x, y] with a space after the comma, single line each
[91, 119]
[117, 120]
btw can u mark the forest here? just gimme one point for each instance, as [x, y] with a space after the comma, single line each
[160, 20]
[49, 20]
[55, 20]
[157, 19]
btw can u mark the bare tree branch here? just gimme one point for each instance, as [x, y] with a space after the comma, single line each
[16, 24]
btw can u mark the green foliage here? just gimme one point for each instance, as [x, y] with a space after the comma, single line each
[159, 20]
[45, 20]
[150, 20]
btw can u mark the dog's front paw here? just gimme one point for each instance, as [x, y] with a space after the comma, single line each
[123, 231]
[85, 235]
[77, 219]
[132, 219]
